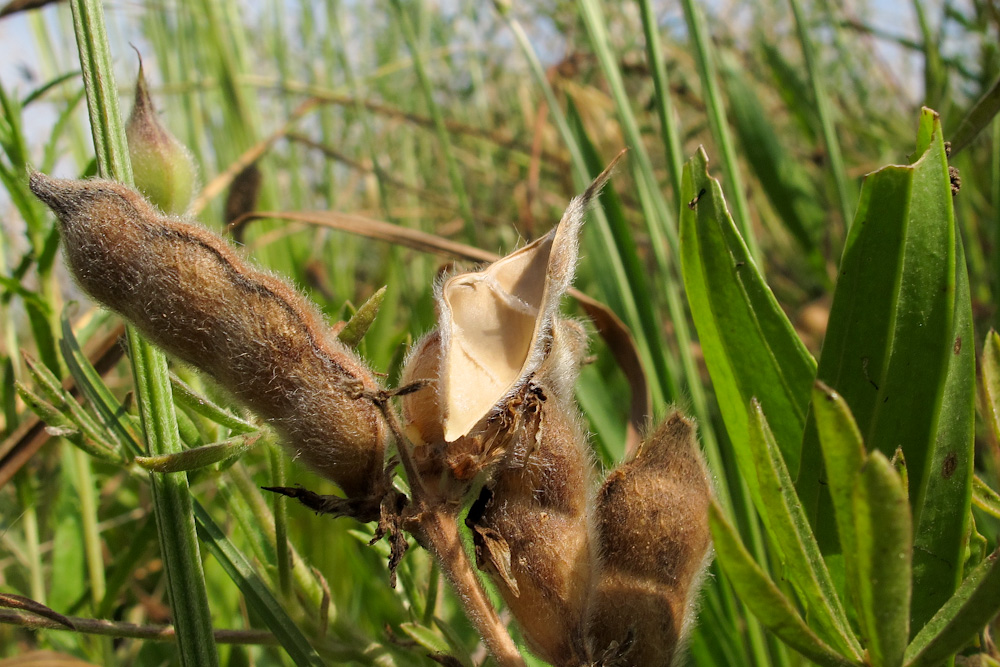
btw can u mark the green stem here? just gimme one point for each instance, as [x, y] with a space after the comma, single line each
[717, 121]
[454, 173]
[171, 497]
[825, 115]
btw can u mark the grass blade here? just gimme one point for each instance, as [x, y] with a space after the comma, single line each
[884, 555]
[260, 600]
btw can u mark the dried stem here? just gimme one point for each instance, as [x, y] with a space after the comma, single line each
[96, 626]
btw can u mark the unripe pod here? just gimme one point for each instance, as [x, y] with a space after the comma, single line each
[163, 167]
[655, 545]
[189, 292]
[536, 535]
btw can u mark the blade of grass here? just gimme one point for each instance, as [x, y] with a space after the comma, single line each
[824, 113]
[260, 600]
[171, 497]
[705, 58]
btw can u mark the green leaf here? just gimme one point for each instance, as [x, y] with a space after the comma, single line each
[899, 315]
[972, 606]
[985, 498]
[788, 526]
[884, 535]
[750, 347]
[199, 457]
[843, 456]
[57, 423]
[426, 637]
[976, 118]
[358, 325]
[260, 600]
[186, 396]
[990, 365]
[763, 598]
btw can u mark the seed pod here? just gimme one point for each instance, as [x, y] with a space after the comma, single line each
[655, 545]
[163, 167]
[190, 292]
[495, 328]
[535, 535]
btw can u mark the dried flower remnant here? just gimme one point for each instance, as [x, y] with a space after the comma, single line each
[163, 168]
[532, 528]
[653, 525]
[190, 292]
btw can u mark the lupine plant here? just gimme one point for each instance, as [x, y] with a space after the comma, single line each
[748, 436]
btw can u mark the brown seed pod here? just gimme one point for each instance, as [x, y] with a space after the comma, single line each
[192, 294]
[655, 545]
[535, 535]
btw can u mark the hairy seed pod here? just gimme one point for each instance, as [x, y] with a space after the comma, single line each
[189, 292]
[535, 535]
[494, 333]
[655, 545]
[162, 166]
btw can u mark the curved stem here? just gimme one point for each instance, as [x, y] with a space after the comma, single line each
[440, 532]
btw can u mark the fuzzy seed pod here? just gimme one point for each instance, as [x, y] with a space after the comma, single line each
[494, 333]
[163, 167]
[655, 544]
[189, 292]
[536, 536]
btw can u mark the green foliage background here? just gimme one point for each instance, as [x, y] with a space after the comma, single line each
[477, 124]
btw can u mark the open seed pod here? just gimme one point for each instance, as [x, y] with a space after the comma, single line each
[494, 332]
[192, 294]
[655, 544]
[532, 529]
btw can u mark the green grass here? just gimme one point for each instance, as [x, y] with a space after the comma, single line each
[467, 125]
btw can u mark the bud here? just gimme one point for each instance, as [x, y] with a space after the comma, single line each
[189, 292]
[163, 167]
[535, 535]
[655, 546]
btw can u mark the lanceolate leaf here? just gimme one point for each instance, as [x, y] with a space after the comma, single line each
[789, 528]
[898, 314]
[750, 347]
[991, 383]
[975, 602]
[763, 598]
[884, 550]
[843, 455]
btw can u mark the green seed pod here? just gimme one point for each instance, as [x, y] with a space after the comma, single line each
[192, 294]
[163, 167]
[655, 546]
[535, 536]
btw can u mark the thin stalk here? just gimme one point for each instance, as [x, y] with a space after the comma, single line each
[825, 115]
[440, 531]
[433, 583]
[581, 178]
[995, 198]
[665, 108]
[716, 111]
[454, 173]
[280, 522]
[29, 522]
[171, 497]
[94, 554]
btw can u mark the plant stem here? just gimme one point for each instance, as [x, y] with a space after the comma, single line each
[440, 531]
